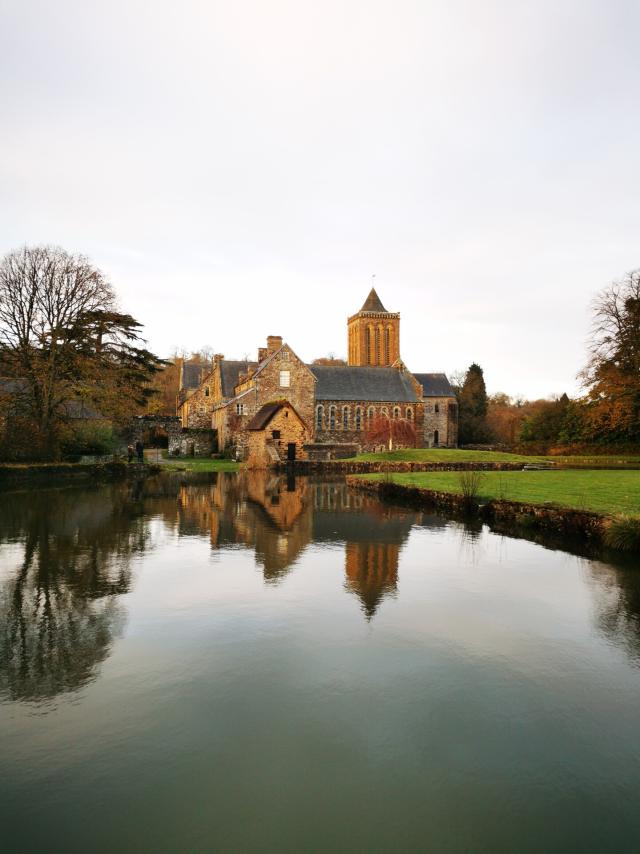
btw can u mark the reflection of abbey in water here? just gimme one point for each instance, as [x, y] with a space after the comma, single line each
[66, 557]
[279, 517]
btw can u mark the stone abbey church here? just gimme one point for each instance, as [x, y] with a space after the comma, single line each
[280, 408]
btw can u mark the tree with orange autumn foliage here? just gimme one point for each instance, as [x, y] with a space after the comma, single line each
[391, 431]
[612, 375]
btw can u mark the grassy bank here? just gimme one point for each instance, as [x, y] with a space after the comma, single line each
[597, 491]
[454, 455]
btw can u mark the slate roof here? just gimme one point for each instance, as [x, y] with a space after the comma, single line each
[372, 303]
[363, 383]
[230, 372]
[264, 415]
[193, 373]
[435, 385]
[75, 409]
[12, 386]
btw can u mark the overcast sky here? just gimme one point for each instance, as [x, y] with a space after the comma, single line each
[241, 169]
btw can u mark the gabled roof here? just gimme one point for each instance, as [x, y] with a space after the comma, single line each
[363, 383]
[435, 385]
[373, 303]
[193, 373]
[230, 373]
[264, 415]
[275, 353]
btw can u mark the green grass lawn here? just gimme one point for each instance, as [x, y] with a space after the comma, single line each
[449, 455]
[606, 492]
[198, 464]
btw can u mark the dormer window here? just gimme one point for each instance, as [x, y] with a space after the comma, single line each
[285, 379]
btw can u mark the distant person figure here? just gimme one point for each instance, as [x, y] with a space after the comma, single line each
[140, 451]
[129, 453]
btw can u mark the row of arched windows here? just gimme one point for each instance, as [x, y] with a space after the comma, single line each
[339, 418]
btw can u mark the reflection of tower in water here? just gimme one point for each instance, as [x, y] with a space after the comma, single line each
[372, 572]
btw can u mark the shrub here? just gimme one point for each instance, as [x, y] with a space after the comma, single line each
[470, 483]
[89, 437]
[624, 534]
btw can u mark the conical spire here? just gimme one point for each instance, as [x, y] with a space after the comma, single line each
[372, 303]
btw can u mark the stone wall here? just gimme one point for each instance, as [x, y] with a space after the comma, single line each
[301, 389]
[331, 450]
[143, 424]
[441, 416]
[196, 411]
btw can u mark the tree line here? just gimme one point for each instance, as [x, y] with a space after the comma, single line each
[607, 412]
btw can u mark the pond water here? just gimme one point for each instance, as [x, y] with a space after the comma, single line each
[256, 664]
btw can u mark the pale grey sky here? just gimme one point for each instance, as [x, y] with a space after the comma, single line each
[241, 169]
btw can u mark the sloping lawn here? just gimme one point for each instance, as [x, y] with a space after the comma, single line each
[606, 492]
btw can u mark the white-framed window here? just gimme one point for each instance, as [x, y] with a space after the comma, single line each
[371, 413]
[285, 379]
[345, 417]
[239, 408]
[319, 416]
[358, 418]
[284, 354]
[396, 412]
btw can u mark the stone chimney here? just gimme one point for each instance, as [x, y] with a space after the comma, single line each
[274, 342]
[262, 354]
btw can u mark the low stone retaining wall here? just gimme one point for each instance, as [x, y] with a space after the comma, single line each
[557, 520]
[44, 473]
[380, 466]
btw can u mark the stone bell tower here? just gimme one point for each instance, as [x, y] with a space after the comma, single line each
[374, 334]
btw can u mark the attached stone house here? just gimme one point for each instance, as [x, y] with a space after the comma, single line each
[195, 401]
[275, 433]
[337, 403]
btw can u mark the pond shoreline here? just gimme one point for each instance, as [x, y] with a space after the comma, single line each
[53, 473]
[589, 527]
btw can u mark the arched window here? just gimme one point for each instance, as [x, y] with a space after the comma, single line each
[371, 413]
[345, 417]
[436, 407]
[409, 413]
[396, 412]
[436, 437]
[319, 416]
[378, 343]
[358, 418]
[369, 337]
[387, 344]
[332, 418]
[384, 411]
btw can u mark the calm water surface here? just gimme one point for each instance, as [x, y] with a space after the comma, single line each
[259, 665]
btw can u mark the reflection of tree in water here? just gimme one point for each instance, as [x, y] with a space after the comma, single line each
[59, 610]
[618, 602]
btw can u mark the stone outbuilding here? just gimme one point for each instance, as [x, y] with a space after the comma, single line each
[275, 434]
